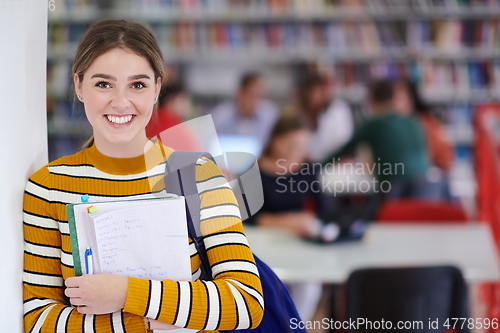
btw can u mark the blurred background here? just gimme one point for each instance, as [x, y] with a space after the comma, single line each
[259, 59]
[449, 48]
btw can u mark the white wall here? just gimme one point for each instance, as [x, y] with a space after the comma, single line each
[23, 137]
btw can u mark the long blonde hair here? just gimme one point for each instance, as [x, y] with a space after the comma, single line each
[110, 34]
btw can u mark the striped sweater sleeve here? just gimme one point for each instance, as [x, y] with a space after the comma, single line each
[46, 309]
[233, 300]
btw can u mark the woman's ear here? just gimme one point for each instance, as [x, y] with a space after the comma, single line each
[78, 86]
[158, 88]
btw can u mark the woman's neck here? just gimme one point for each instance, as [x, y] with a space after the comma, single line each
[125, 150]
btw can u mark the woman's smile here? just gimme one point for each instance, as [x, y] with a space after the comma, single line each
[119, 119]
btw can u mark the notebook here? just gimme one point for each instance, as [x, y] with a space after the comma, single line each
[142, 238]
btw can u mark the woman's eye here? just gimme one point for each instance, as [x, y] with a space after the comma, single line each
[103, 85]
[138, 85]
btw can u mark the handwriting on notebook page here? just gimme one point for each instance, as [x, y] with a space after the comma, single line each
[144, 242]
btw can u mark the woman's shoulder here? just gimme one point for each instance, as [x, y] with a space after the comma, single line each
[42, 175]
[207, 169]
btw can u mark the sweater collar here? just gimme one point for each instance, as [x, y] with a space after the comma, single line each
[131, 165]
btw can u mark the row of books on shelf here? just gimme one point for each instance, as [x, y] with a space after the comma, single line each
[368, 38]
[266, 7]
[474, 80]
[301, 6]
[263, 8]
[285, 37]
[439, 81]
[452, 34]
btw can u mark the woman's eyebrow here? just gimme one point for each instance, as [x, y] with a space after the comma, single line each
[110, 77]
[104, 76]
[139, 76]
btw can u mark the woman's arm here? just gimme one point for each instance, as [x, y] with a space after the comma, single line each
[45, 306]
[233, 300]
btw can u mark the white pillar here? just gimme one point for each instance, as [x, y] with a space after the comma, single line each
[23, 137]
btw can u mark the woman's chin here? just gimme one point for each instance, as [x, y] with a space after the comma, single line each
[125, 141]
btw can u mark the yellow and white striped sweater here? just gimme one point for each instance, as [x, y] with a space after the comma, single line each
[232, 300]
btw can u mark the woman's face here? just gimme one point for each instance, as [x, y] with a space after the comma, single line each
[401, 100]
[118, 91]
[291, 146]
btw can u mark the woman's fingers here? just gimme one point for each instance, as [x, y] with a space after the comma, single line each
[72, 282]
[77, 301]
[74, 297]
[85, 310]
[72, 292]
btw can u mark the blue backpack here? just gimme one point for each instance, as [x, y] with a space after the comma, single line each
[279, 308]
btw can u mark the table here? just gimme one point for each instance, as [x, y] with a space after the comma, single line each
[469, 247]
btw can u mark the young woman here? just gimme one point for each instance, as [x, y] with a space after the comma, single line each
[118, 70]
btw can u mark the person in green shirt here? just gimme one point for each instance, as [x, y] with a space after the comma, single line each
[397, 144]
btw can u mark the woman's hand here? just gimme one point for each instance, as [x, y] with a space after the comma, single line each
[97, 294]
[304, 224]
[158, 325]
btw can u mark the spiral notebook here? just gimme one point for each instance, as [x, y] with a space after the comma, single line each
[145, 238]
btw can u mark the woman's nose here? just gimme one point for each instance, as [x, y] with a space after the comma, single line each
[120, 100]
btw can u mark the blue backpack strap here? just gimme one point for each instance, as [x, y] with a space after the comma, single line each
[180, 179]
[180, 171]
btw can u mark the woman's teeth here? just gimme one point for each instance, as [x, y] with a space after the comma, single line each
[120, 119]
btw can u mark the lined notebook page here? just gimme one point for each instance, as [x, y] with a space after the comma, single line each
[148, 241]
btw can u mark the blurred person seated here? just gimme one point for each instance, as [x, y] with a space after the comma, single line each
[328, 117]
[249, 114]
[174, 107]
[291, 197]
[408, 102]
[397, 144]
[288, 181]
